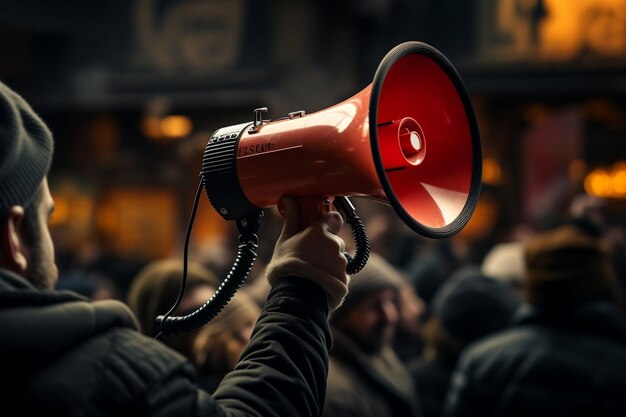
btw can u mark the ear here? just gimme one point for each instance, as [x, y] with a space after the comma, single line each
[13, 255]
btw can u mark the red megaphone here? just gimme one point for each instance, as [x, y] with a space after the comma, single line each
[409, 139]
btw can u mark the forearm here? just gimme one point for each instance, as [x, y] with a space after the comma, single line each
[283, 370]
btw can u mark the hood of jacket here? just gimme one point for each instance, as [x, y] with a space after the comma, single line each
[36, 326]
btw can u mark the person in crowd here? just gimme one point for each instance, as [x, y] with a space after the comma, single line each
[466, 308]
[155, 289]
[505, 262]
[590, 215]
[65, 356]
[408, 342]
[366, 378]
[219, 344]
[565, 355]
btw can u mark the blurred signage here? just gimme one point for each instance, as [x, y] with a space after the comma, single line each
[551, 30]
[195, 35]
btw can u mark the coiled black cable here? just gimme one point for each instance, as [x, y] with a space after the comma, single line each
[169, 325]
[358, 261]
[246, 255]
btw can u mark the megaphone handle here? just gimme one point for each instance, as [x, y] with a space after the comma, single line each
[311, 209]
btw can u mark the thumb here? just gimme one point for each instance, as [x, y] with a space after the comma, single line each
[288, 208]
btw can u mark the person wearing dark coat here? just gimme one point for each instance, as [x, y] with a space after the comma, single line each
[566, 352]
[65, 356]
[366, 377]
[467, 307]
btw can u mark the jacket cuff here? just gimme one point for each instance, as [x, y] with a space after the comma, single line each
[335, 289]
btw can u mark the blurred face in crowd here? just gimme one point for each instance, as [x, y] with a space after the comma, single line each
[38, 249]
[411, 309]
[372, 322]
[193, 298]
[239, 339]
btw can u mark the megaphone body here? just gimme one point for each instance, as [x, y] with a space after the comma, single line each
[409, 139]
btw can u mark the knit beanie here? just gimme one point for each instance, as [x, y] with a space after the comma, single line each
[154, 290]
[26, 148]
[471, 305]
[377, 275]
[566, 267]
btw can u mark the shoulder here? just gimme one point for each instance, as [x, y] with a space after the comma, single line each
[117, 370]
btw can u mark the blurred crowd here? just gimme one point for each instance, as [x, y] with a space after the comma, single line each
[533, 326]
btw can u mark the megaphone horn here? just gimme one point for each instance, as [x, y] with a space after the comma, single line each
[409, 139]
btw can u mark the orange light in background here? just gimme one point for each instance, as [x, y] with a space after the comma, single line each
[81, 208]
[61, 212]
[483, 220]
[491, 171]
[139, 221]
[169, 127]
[618, 183]
[70, 209]
[151, 127]
[607, 183]
[176, 126]
[107, 218]
[572, 27]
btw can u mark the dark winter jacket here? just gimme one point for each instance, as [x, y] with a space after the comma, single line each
[431, 378]
[64, 356]
[363, 385]
[568, 364]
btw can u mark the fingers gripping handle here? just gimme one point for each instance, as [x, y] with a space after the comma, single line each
[311, 208]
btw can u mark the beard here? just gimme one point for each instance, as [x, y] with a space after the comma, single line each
[42, 271]
[375, 339]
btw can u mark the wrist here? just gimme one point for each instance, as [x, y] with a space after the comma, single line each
[335, 288]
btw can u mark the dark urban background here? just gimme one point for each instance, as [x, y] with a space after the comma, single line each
[132, 91]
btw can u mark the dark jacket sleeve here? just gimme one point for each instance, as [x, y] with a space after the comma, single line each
[456, 403]
[283, 370]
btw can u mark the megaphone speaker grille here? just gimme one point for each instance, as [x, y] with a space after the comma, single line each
[425, 140]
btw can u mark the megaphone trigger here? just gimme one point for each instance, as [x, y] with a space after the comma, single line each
[312, 208]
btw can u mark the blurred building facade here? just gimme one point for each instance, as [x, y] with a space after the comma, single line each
[133, 89]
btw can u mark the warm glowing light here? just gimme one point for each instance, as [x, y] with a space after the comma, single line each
[491, 171]
[170, 127]
[618, 183]
[571, 27]
[176, 126]
[151, 127]
[483, 220]
[61, 212]
[607, 183]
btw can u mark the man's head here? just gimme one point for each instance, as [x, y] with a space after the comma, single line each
[566, 267]
[26, 147]
[369, 315]
[470, 305]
